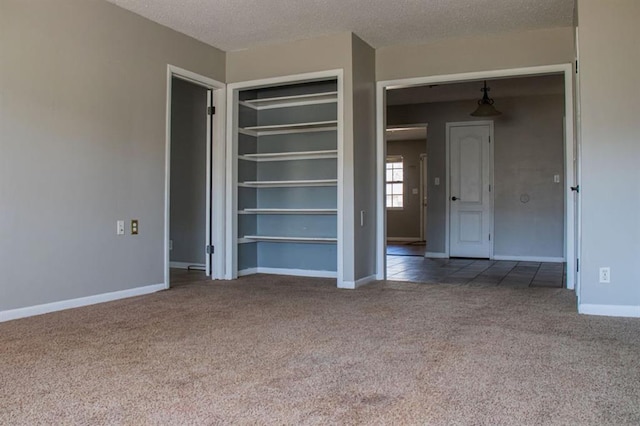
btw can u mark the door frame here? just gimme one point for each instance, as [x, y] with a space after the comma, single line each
[215, 174]
[447, 189]
[344, 256]
[424, 180]
[423, 188]
[571, 151]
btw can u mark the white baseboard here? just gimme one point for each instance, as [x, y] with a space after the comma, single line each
[248, 271]
[352, 285]
[403, 239]
[435, 255]
[529, 258]
[628, 311]
[76, 303]
[185, 265]
[293, 272]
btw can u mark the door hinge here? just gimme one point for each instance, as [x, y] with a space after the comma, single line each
[489, 139]
[210, 249]
[489, 237]
[577, 265]
[576, 66]
[489, 188]
[211, 110]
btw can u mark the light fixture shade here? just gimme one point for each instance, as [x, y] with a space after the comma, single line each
[485, 110]
[485, 105]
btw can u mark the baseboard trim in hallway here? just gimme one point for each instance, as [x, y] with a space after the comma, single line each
[46, 308]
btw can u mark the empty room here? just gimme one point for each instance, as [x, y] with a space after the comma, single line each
[199, 203]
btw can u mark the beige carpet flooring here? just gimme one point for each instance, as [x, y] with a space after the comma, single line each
[283, 350]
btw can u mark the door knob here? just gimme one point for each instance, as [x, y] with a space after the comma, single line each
[454, 198]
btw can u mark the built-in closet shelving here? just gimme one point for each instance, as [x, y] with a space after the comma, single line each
[285, 177]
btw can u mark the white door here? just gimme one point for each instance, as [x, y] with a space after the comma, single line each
[470, 213]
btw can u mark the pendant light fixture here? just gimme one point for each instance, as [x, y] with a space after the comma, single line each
[485, 105]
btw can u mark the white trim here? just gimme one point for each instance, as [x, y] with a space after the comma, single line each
[231, 248]
[186, 265]
[576, 200]
[403, 239]
[474, 75]
[530, 258]
[217, 150]
[447, 230]
[381, 166]
[209, 181]
[291, 101]
[79, 302]
[218, 225]
[627, 311]
[352, 285]
[571, 250]
[436, 255]
[340, 216]
[291, 272]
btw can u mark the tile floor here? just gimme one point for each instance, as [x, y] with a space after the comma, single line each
[475, 271]
[415, 268]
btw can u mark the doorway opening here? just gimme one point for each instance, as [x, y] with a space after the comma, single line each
[194, 163]
[531, 227]
[405, 171]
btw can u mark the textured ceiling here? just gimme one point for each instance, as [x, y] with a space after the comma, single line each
[241, 24]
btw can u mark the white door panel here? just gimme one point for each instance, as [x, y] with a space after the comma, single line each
[470, 196]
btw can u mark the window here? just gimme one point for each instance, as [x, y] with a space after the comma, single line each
[395, 183]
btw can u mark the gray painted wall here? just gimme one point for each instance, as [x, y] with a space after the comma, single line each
[549, 46]
[82, 144]
[188, 172]
[610, 186]
[405, 223]
[528, 152]
[364, 154]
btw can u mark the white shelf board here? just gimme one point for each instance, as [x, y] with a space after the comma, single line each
[290, 101]
[289, 156]
[288, 183]
[288, 211]
[272, 239]
[274, 129]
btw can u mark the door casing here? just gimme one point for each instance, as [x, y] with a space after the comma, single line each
[571, 149]
[215, 169]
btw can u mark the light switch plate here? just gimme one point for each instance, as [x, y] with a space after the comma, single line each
[120, 227]
[436, 181]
